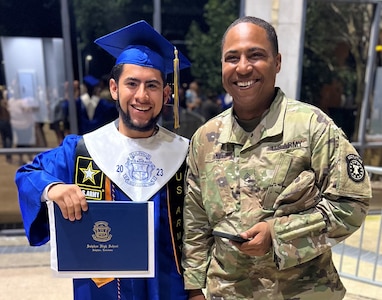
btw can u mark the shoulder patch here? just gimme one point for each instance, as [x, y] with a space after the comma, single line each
[355, 168]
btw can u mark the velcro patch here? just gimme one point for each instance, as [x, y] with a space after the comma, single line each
[355, 168]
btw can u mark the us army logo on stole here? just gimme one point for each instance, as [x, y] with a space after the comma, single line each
[355, 168]
[139, 169]
[89, 178]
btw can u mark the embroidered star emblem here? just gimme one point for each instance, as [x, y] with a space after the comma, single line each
[89, 173]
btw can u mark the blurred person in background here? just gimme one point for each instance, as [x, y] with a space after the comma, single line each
[5, 123]
[92, 110]
[193, 97]
[211, 106]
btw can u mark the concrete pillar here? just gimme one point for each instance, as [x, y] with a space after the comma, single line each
[288, 18]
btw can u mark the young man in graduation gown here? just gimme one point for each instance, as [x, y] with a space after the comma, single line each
[137, 159]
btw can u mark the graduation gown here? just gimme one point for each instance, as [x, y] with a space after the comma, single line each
[58, 165]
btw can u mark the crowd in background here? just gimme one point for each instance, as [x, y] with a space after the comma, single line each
[5, 124]
[95, 107]
[19, 126]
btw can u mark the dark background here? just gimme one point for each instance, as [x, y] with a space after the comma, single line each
[42, 18]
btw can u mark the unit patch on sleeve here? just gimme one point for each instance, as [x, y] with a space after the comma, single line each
[355, 168]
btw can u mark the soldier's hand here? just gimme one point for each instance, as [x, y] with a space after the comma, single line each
[69, 199]
[196, 295]
[260, 240]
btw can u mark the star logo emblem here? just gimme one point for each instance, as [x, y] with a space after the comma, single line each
[89, 173]
[356, 170]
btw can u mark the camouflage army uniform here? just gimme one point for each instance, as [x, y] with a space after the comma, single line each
[296, 171]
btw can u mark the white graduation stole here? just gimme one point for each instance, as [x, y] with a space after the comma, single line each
[139, 167]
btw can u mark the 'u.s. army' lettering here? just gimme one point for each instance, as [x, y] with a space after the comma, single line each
[92, 194]
[289, 145]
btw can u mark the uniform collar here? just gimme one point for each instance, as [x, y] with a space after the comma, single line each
[271, 124]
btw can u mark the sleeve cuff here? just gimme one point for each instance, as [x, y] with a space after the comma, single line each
[44, 196]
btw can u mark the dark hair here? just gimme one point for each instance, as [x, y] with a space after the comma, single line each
[270, 30]
[116, 72]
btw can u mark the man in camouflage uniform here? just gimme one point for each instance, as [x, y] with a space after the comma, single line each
[278, 172]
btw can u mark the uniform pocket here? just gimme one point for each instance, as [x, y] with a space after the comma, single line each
[219, 183]
[282, 163]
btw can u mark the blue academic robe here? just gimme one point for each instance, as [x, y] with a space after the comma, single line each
[57, 165]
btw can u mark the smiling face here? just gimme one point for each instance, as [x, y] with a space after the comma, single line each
[140, 92]
[249, 68]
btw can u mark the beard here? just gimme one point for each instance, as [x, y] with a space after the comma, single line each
[126, 119]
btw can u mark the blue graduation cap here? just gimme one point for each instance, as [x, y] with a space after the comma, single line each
[91, 80]
[140, 44]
